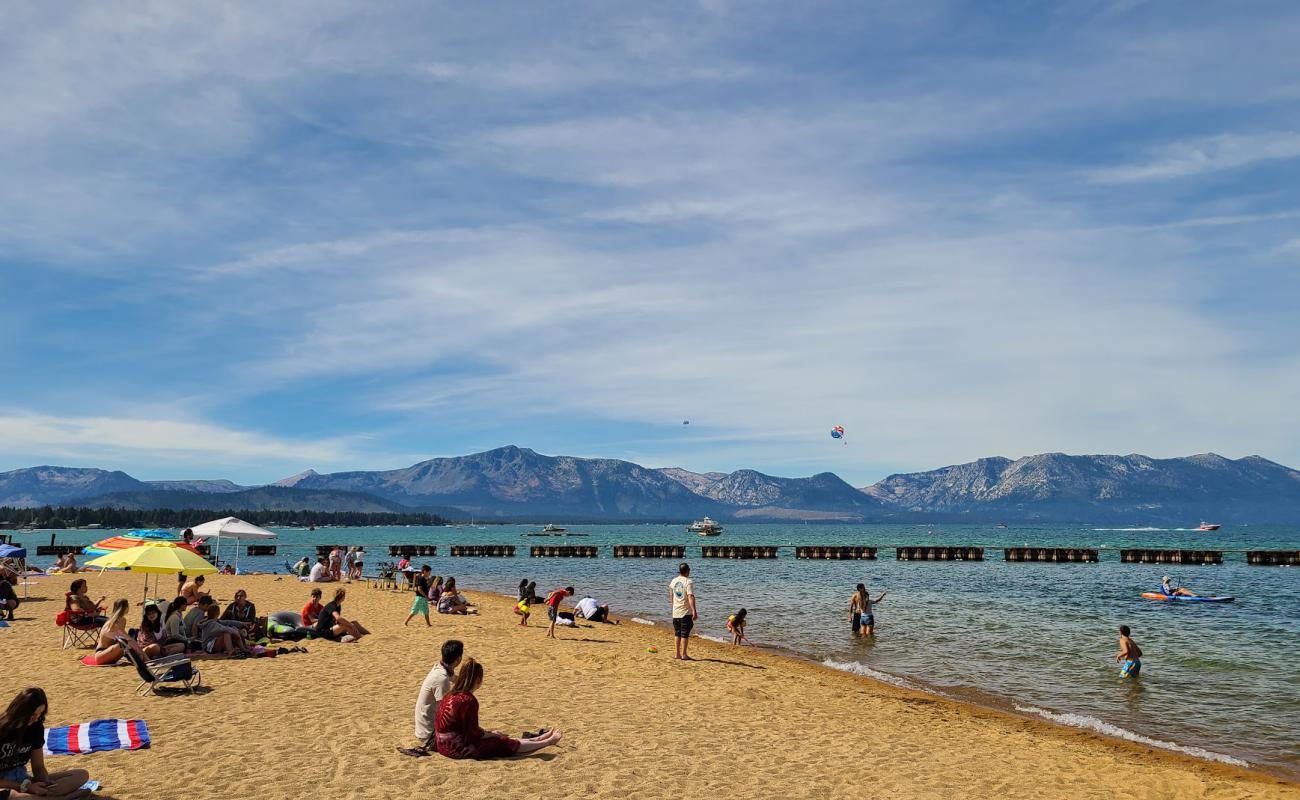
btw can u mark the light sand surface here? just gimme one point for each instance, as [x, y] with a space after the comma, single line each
[739, 723]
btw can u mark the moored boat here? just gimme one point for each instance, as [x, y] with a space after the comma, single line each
[705, 527]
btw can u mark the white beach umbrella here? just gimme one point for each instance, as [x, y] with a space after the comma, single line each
[231, 528]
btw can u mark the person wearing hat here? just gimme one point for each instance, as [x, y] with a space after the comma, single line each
[1169, 590]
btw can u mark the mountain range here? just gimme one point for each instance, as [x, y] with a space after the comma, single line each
[518, 483]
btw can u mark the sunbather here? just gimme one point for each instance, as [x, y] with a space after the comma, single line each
[80, 608]
[193, 590]
[108, 647]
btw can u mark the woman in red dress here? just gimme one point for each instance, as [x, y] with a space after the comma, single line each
[458, 731]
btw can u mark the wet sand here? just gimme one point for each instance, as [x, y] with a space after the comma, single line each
[739, 722]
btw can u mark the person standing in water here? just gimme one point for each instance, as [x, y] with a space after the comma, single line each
[861, 611]
[682, 592]
[1129, 656]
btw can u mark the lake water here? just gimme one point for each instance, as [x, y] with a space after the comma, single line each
[1219, 680]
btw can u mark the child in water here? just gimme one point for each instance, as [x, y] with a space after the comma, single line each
[736, 624]
[1129, 656]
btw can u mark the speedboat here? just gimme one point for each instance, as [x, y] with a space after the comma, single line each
[552, 528]
[1208, 526]
[705, 527]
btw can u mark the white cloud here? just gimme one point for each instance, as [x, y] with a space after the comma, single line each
[122, 439]
[1210, 154]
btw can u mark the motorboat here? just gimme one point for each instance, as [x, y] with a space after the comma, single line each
[1208, 526]
[552, 528]
[705, 527]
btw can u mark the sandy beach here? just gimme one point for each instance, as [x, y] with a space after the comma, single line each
[737, 723]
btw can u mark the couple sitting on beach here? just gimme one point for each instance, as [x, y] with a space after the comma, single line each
[446, 714]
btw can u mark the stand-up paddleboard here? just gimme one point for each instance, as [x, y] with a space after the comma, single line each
[1186, 598]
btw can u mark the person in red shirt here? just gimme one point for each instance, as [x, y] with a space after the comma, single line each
[458, 734]
[553, 607]
[312, 610]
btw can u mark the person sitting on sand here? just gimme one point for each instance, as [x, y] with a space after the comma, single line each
[320, 573]
[60, 564]
[861, 612]
[22, 741]
[311, 611]
[435, 590]
[592, 611]
[451, 602]
[243, 612]
[80, 608]
[219, 637]
[458, 734]
[152, 637]
[302, 567]
[332, 626]
[108, 650]
[553, 601]
[1168, 589]
[1129, 656]
[736, 624]
[69, 564]
[435, 687]
[193, 590]
[195, 615]
[174, 625]
[420, 605]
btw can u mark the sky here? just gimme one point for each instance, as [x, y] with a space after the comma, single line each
[240, 240]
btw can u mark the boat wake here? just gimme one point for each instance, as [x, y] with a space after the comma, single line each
[1093, 724]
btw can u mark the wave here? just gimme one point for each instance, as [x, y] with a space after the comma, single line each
[1094, 724]
[640, 621]
[713, 638]
[865, 671]
[1143, 529]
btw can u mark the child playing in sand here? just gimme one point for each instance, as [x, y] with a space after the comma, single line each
[553, 607]
[736, 624]
[1129, 656]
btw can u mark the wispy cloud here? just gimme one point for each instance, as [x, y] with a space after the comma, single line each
[125, 440]
[1210, 154]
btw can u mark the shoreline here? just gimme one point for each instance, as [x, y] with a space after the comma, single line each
[986, 702]
[636, 723]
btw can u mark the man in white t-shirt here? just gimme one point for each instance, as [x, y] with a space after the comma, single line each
[435, 687]
[590, 610]
[682, 592]
[320, 573]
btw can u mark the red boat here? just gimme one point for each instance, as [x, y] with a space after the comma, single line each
[1208, 526]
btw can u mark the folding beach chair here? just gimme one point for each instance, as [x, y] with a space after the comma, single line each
[80, 632]
[172, 669]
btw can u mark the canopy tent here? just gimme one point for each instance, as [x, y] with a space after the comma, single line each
[12, 552]
[230, 528]
[156, 558]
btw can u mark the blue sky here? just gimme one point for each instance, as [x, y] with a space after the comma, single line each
[240, 241]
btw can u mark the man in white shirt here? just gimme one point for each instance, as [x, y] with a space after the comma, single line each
[589, 609]
[320, 573]
[436, 686]
[682, 592]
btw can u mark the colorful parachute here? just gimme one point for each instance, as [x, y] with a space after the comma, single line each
[838, 432]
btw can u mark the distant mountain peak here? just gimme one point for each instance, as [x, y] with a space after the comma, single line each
[294, 480]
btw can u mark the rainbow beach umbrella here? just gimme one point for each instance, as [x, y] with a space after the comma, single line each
[156, 558]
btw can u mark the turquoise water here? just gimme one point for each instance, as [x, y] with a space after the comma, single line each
[1221, 681]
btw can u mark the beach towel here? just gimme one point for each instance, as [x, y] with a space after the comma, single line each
[90, 661]
[97, 736]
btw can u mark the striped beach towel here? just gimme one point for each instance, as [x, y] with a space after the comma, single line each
[93, 737]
